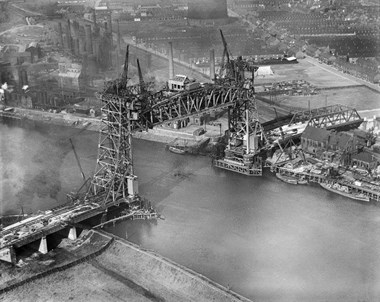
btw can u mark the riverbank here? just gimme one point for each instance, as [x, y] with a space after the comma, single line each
[123, 271]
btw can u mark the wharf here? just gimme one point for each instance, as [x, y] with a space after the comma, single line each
[321, 178]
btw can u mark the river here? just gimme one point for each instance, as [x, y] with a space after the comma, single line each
[268, 240]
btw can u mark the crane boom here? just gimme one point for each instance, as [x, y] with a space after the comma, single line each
[77, 159]
[125, 69]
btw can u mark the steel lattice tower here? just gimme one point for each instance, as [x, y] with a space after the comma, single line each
[114, 181]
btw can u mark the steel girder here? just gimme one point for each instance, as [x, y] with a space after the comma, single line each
[327, 116]
[160, 109]
[336, 117]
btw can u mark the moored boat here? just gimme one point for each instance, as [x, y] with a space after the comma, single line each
[176, 150]
[343, 191]
[288, 179]
[302, 181]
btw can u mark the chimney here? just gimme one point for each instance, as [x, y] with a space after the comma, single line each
[212, 65]
[69, 42]
[88, 32]
[82, 40]
[109, 21]
[76, 47]
[118, 36]
[171, 62]
[74, 29]
[60, 34]
[94, 17]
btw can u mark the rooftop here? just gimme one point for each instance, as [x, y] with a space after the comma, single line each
[316, 134]
[364, 156]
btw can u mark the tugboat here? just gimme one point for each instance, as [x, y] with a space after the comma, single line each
[343, 191]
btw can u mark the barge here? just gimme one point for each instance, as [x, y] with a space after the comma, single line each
[291, 180]
[344, 191]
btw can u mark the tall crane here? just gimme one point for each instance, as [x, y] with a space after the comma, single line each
[233, 71]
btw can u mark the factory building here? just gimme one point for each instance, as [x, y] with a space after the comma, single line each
[207, 9]
[343, 147]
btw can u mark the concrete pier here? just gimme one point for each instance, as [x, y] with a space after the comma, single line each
[8, 255]
[43, 249]
[72, 233]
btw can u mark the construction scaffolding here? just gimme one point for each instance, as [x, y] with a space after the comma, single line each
[246, 139]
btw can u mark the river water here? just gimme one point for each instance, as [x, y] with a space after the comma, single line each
[266, 239]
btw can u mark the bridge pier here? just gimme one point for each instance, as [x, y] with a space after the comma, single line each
[8, 254]
[72, 233]
[43, 249]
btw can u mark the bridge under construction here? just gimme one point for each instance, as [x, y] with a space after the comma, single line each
[129, 108]
[126, 108]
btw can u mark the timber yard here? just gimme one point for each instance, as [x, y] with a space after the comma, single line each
[236, 147]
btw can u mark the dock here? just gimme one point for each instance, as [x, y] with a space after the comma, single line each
[321, 178]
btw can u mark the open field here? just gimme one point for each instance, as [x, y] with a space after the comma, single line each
[318, 76]
[335, 87]
[360, 98]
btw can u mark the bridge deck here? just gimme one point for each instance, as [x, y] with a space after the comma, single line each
[49, 222]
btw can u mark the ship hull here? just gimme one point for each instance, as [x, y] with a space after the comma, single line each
[345, 194]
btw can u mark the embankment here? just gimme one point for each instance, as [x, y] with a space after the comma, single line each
[162, 277]
[120, 271]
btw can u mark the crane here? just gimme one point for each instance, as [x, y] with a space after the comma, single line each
[233, 71]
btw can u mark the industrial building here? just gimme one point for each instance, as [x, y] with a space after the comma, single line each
[207, 9]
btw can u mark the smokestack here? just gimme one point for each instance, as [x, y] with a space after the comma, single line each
[74, 30]
[82, 40]
[118, 36]
[60, 34]
[171, 62]
[109, 20]
[76, 47]
[69, 44]
[212, 65]
[95, 46]
[89, 47]
[94, 17]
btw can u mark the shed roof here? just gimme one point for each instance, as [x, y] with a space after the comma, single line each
[364, 157]
[339, 139]
[179, 78]
[316, 134]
